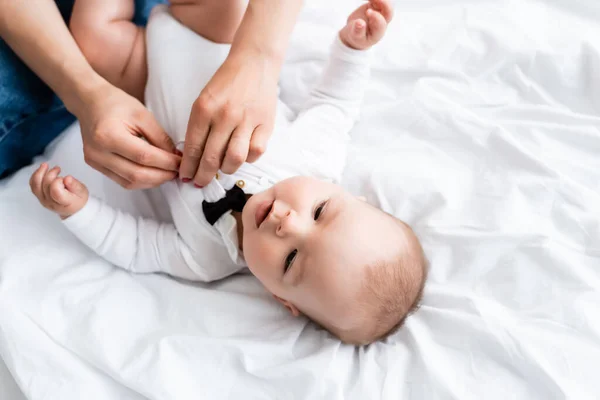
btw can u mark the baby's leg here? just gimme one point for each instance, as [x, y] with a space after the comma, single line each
[215, 20]
[113, 45]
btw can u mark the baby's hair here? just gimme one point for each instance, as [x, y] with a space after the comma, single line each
[391, 290]
[394, 288]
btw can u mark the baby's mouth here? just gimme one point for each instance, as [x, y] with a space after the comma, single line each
[262, 212]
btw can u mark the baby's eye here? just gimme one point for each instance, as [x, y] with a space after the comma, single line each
[319, 210]
[289, 260]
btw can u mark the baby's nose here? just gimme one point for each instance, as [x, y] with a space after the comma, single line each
[289, 224]
[280, 210]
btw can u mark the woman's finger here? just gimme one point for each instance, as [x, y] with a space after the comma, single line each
[134, 176]
[145, 154]
[112, 176]
[237, 149]
[258, 142]
[155, 134]
[195, 138]
[214, 152]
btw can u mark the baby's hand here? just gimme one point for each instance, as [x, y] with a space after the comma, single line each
[64, 196]
[367, 24]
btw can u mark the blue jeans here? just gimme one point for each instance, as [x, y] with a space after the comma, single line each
[31, 115]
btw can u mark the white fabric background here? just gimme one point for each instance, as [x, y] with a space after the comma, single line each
[8, 387]
[480, 128]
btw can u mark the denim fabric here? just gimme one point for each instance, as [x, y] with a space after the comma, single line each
[31, 115]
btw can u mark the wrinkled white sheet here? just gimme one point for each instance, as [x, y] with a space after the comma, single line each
[481, 128]
[8, 387]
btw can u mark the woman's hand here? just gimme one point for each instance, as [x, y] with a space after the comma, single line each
[232, 119]
[122, 140]
[112, 122]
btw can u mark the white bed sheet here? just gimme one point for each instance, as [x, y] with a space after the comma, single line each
[481, 128]
[8, 387]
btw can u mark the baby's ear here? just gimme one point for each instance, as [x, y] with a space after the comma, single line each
[293, 310]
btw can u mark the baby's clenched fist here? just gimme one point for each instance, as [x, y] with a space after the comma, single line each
[64, 196]
[367, 24]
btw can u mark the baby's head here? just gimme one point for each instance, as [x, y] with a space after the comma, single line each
[325, 253]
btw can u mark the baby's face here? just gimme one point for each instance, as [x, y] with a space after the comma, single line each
[309, 241]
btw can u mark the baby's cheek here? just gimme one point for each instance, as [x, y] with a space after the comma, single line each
[260, 260]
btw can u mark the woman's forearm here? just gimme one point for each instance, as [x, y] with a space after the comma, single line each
[266, 28]
[36, 32]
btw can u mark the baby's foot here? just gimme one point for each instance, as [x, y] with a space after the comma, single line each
[367, 24]
[64, 196]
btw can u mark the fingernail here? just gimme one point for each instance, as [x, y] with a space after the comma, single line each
[185, 180]
[198, 186]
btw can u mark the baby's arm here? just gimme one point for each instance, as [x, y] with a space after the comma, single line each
[337, 97]
[334, 104]
[113, 45]
[136, 244]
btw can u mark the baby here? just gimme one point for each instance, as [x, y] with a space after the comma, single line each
[322, 252]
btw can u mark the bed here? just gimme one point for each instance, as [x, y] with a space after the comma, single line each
[481, 128]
